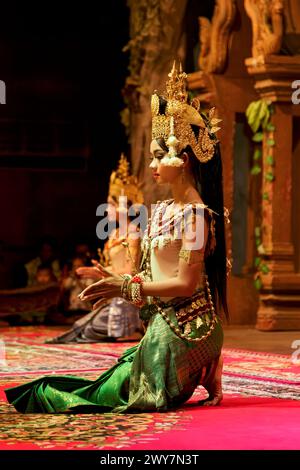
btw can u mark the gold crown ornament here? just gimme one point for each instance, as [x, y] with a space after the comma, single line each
[174, 125]
[122, 183]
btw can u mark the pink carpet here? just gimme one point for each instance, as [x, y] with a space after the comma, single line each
[238, 424]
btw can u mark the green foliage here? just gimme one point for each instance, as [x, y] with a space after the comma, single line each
[257, 154]
[264, 268]
[257, 261]
[270, 127]
[258, 283]
[265, 196]
[258, 137]
[255, 170]
[258, 114]
[257, 232]
[270, 176]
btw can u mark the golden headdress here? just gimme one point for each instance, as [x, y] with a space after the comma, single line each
[122, 183]
[174, 125]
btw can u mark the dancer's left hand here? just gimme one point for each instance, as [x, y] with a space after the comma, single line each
[97, 271]
[105, 288]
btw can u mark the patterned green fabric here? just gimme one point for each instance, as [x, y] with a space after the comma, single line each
[161, 372]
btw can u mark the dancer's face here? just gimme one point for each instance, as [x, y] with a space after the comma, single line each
[112, 213]
[115, 209]
[162, 173]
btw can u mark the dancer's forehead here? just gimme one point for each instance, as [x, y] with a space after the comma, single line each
[155, 147]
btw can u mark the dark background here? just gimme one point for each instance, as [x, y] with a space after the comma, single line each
[60, 129]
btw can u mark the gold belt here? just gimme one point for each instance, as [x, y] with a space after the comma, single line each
[188, 308]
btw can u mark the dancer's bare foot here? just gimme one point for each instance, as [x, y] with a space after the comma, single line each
[214, 387]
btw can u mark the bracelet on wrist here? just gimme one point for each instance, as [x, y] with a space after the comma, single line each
[125, 286]
[135, 291]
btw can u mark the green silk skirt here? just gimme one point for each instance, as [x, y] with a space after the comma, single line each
[158, 374]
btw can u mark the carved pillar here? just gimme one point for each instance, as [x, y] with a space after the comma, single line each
[157, 38]
[222, 81]
[267, 26]
[279, 303]
[279, 306]
[214, 38]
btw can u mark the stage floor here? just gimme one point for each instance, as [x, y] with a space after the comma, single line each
[247, 337]
[260, 410]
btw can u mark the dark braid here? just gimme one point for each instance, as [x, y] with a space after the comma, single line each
[212, 195]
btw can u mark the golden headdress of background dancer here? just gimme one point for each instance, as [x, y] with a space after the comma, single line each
[122, 183]
[173, 119]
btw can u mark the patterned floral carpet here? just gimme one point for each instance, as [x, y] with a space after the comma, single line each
[24, 356]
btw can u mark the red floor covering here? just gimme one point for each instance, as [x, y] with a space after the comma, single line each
[252, 414]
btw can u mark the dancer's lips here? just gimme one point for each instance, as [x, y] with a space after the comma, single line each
[155, 175]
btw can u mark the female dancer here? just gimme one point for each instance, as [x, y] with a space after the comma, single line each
[115, 318]
[181, 289]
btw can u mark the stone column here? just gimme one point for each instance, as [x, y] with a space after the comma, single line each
[279, 303]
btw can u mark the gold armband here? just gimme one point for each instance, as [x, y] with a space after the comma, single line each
[191, 256]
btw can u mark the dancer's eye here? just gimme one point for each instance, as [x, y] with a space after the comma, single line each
[158, 156]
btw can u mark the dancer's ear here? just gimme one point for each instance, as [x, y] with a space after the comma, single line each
[185, 157]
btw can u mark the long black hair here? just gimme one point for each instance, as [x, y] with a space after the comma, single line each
[209, 183]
